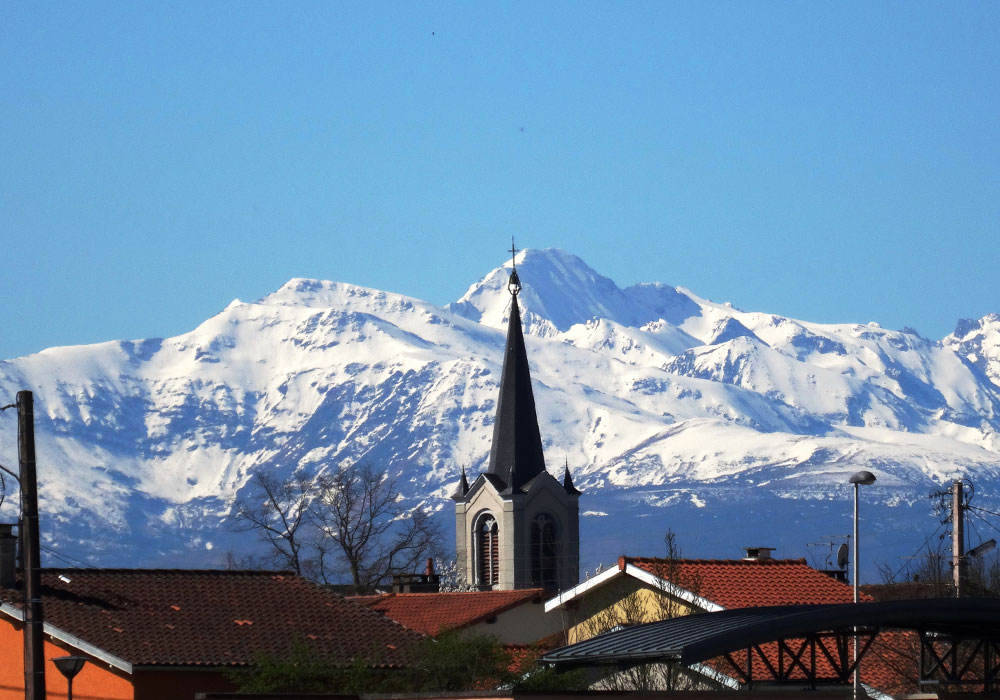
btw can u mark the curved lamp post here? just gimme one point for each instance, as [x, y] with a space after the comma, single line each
[858, 479]
[69, 666]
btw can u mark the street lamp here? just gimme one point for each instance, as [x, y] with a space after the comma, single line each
[858, 479]
[69, 666]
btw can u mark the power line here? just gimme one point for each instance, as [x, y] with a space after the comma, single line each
[985, 520]
[76, 563]
[972, 526]
[925, 545]
[988, 512]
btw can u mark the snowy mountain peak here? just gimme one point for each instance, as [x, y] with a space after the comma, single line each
[559, 291]
[656, 397]
[979, 342]
[322, 294]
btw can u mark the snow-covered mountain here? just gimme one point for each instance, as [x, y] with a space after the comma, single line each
[731, 428]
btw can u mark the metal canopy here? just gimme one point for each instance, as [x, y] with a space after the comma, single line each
[694, 638]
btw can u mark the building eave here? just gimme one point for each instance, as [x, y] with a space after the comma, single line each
[581, 588]
[672, 589]
[72, 640]
[639, 574]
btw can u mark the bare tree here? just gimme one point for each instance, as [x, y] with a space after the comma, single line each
[367, 526]
[349, 523]
[277, 512]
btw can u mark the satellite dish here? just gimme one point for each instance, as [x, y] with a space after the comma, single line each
[842, 556]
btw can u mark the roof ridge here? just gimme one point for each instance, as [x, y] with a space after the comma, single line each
[438, 594]
[686, 560]
[132, 570]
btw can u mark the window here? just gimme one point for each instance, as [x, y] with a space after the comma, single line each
[544, 552]
[487, 538]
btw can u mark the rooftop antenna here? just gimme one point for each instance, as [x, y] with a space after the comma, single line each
[830, 543]
[842, 556]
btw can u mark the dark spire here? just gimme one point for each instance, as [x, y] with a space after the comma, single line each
[568, 481]
[463, 486]
[516, 454]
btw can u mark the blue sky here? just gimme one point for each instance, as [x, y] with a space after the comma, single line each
[835, 162]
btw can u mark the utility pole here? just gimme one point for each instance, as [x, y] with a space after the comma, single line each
[958, 537]
[34, 658]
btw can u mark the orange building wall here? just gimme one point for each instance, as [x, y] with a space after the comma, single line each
[95, 682]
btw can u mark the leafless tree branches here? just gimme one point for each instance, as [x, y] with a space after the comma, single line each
[350, 523]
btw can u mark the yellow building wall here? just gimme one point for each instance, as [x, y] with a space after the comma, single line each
[621, 602]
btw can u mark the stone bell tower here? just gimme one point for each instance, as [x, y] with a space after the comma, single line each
[516, 525]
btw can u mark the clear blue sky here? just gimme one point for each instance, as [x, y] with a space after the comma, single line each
[827, 161]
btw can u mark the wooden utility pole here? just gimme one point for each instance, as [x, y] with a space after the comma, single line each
[958, 537]
[34, 658]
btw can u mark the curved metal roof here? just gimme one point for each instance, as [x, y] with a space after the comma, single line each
[699, 637]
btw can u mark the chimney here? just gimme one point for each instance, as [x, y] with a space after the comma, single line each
[427, 582]
[757, 553]
[8, 556]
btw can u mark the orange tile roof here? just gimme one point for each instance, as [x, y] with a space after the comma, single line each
[432, 613]
[212, 618]
[741, 583]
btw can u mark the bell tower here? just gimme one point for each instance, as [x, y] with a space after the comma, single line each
[516, 525]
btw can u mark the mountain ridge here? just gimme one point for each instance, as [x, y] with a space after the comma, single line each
[666, 406]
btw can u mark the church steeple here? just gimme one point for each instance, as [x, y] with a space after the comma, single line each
[463, 486]
[567, 481]
[516, 526]
[516, 454]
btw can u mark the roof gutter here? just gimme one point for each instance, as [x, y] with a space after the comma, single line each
[72, 640]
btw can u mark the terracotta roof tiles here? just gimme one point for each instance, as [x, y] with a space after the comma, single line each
[432, 613]
[744, 583]
[212, 618]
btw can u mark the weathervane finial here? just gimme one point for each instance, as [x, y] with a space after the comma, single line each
[514, 284]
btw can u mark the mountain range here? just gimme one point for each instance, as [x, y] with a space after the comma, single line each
[732, 428]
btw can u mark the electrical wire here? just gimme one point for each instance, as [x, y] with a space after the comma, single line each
[76, 563]
[925, 545]
[968, 538]
[984, 519]
[988, 512]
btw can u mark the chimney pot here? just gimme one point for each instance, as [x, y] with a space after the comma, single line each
[757, 553]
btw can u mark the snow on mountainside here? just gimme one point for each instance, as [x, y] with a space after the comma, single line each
[979, 342]
[671, 411]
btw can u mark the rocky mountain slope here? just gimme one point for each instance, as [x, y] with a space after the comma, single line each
[729, 427]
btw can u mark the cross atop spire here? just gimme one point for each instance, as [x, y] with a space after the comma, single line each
[514, 283]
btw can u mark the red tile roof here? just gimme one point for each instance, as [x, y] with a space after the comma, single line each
[212, 618]
[432, 613]
[740, 583]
